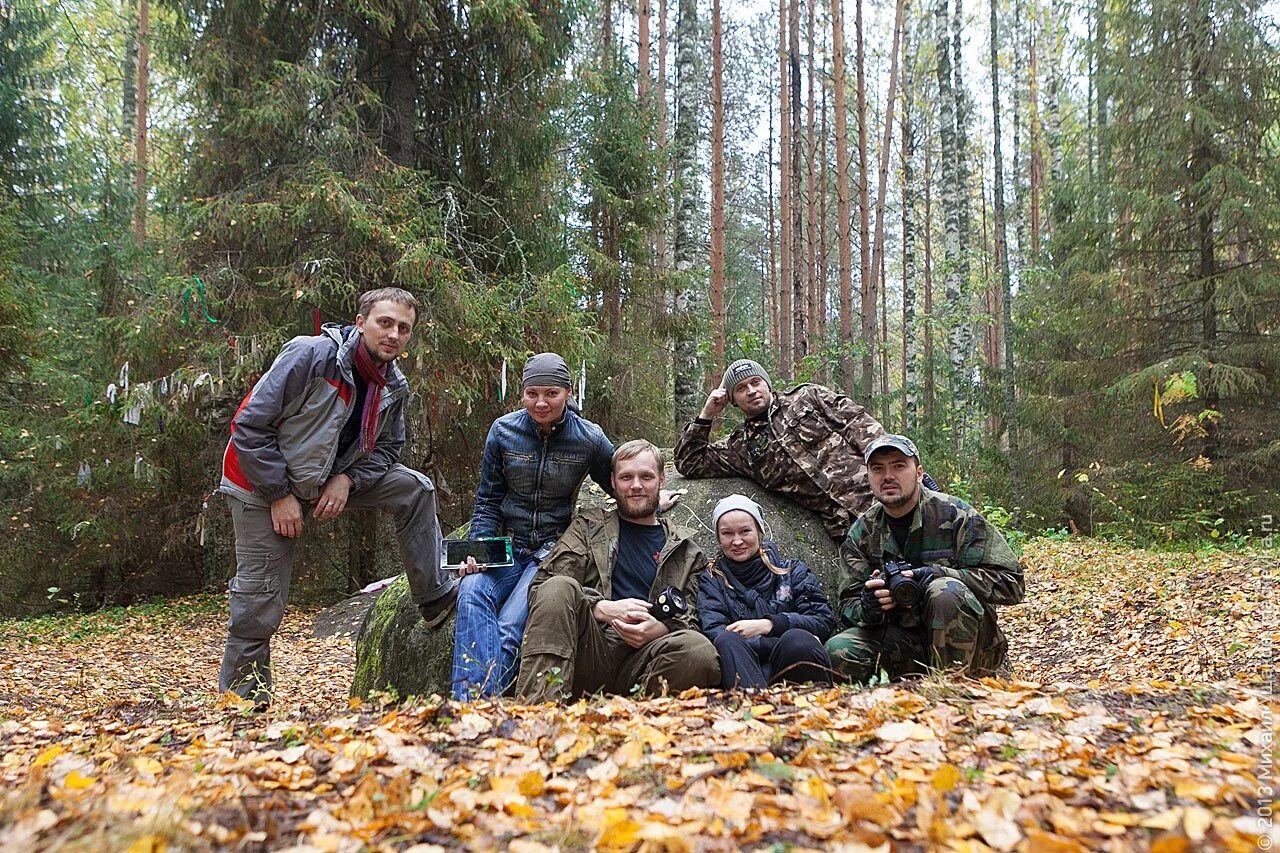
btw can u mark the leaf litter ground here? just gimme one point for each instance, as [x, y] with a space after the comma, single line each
[1141, 717]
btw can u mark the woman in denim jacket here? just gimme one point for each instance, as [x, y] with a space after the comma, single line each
[534, 461]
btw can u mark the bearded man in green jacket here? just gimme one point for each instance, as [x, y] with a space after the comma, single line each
[596, 607]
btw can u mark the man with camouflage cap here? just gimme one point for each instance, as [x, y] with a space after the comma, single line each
[962, 565]
[805, 443]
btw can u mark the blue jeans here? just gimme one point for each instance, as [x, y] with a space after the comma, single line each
[492, 609]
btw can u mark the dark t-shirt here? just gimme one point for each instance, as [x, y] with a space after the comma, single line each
[900, 527]
[351, 429]
[638, 548]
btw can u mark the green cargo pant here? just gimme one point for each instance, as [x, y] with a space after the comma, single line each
[949, 630]
[568, 654]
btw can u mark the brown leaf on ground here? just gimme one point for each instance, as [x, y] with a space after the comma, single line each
[1137, 719]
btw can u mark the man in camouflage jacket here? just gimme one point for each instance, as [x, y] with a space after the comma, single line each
[962, 562]
[805, 443]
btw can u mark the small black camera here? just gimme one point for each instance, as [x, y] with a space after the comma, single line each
[906, 591]
[669, 604]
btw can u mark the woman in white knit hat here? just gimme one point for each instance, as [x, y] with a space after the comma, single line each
[767, 616]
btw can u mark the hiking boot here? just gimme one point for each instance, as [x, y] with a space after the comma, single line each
[435, 612]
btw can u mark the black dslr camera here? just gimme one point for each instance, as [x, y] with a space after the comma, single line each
[669, 604]
[906, 591]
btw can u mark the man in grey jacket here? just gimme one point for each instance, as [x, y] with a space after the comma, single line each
[323, 428]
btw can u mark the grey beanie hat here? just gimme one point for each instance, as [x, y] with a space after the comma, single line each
[737, 502]
[546, 368]
[741, 370]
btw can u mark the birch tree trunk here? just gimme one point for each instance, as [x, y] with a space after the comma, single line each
[1002, 258]
[688, 390]
[910, 344]
[772, 306]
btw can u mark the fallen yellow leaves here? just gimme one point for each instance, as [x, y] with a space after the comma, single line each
[1044, 763]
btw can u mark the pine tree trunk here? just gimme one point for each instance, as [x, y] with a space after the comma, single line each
[687, 377]
[811, 200]
[660, 244]
[798, 309]
[823, 256]
[1203, 209]
[606, 31]
[129, 73]
[867, 281]
[823, 217]
[843, 213]
[1037, 157]
[643, 84]
[910, 345]
[882, 178]
[717, 195]
[786, 199]
[140, 137]
[1006, 292]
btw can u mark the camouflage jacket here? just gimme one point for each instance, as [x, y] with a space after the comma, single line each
[947, 534]
[588, 550]
[808, 447]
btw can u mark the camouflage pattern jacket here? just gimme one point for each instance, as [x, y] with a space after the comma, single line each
[588, 550]
[947, 534]
[808, 447]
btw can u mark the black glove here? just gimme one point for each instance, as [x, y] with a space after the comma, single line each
[923, 575]
[871, 612]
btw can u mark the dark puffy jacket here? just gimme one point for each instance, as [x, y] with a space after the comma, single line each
[793, 600]
[529, 479]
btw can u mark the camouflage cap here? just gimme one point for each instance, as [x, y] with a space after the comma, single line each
[889, 441]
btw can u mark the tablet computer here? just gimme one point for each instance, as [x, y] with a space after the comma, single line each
[491, 551]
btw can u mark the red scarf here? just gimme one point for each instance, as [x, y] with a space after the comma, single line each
[375, 376]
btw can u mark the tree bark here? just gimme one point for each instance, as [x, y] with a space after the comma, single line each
[660, 248]
[643, 84]
[866, 282]
[882, 182]
[843, 213]
[799, 311]
[811, 200]
[140, 137]
[688, 390]
[930, 389]
[717, 195]
[786, 363]
[910, 346]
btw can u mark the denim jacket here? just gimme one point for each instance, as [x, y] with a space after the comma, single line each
[529, 479]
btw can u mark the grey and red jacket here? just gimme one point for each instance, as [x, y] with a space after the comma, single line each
[284, 436]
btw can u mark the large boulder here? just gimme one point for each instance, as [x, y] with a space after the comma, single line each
[396, 652]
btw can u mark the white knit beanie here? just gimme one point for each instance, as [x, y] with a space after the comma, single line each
[737, 502]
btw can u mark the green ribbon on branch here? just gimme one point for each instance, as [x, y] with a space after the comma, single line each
[204, 304]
